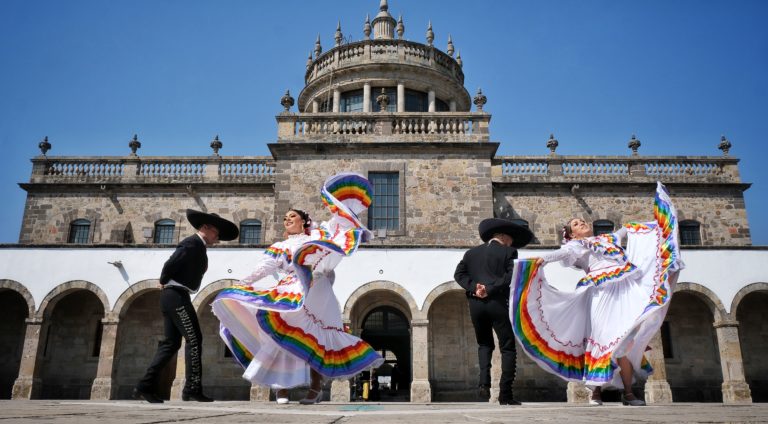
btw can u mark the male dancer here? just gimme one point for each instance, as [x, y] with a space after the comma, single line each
[181, 275]
[485, 273]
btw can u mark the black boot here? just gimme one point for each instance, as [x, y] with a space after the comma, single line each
[197, 397]
[148, 396]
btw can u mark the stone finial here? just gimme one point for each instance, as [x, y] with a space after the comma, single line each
[287, 100]
[134, 144]
[216, 145]
[44, 146]
[383, 6]
[458, 59]
[383, 100]
[309, 61]
[724, 145]
[449, 50]
[634, 144]
[318, 47]
[552, 144]
[338, 36]
[400, 27]
[430, 34]
[480, 100]
[367, 27]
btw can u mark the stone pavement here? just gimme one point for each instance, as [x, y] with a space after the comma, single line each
[107, 412]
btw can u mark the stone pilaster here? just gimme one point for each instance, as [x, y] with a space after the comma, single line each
[578, 393]
[657, 388]
[181, 376]
[735, 388]
[102, 388]
[421, 391]
[259, 393]
[340, 391]
[27, 384]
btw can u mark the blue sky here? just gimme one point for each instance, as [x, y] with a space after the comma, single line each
[90, 74]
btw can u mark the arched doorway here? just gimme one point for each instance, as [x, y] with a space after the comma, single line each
[691, 354]
[752, 315]
[71, 345]
[12, 327]
[138, 335]
[387, 330]
[222, 375]
[453, 367]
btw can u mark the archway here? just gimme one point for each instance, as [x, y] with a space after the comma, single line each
[453, 367]
[690, 346]
[382, 318]
[752, 314]
[222, 375]
[71, 343]
[138, 335]
[12, 329]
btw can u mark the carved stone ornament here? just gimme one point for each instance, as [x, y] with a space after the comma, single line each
[44, 146]
[552, 144]
[383, 100]
[287, 101]
[724, 145]
[634, 144]
[216, 145]
[134, 144]
[480, 100]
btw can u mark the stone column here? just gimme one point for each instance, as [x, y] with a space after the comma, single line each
[452, 105]
[431, 101]
[28, 385]
[657, 388]
[735, 388]
[421, 392]
[367, 97]
[336, 100]
[340, 391]
[180, 380]
[315, 106]
[259, 393]
[401, 96]
[102, 388]
[578, 393]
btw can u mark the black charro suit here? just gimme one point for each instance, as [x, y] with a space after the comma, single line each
[491, 264]
[186, 267]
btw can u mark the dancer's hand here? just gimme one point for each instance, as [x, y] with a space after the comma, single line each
[480, 291]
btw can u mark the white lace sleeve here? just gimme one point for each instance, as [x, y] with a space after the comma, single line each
[568, 254]
[268, 264]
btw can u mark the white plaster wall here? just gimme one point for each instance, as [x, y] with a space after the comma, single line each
[419, 271]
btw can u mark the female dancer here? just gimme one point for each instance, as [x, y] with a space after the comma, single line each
[616, 309]
[291, 334]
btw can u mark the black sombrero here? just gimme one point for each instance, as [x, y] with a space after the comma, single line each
[227, 230]
[520, 235]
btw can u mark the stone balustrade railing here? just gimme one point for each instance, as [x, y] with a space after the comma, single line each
[555, 168]
[384, 51]
[408, 126]
[150, 169]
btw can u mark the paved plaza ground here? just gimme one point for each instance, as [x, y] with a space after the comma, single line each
[104, 412]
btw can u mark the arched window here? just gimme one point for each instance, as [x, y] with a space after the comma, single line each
[79, 230]
[250, 231]
[164, 231]
[602, 226]
[690, 232]
[385, 320]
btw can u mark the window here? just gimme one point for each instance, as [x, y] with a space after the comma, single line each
[352, 101]
[416, 101]
[79, 230]
[385, 319]
[250, 231]
[602, 226]
[384, 212]
[690, 233]
[164, 231]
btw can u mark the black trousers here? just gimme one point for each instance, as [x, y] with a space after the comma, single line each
[180, 320]
[488, 315]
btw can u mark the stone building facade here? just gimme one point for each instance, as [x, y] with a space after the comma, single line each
[391, 109]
